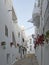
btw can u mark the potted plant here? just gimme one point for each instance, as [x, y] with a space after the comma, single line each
[47, 36]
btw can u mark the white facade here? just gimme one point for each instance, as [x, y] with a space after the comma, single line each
[23, 37]
[42, 52]
[9, 54]
[23, 44]
[30, 46]
[40, 19]
[4, 20]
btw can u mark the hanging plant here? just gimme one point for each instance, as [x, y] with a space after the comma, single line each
[18, 45]
[42, 38]
[11, 44]
[47, 36]
[47, 32]
[36, 42]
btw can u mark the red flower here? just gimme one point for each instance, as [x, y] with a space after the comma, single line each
[17, 44]
[11, 44]
[41, 39]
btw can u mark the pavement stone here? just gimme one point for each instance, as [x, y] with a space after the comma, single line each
[27, 61]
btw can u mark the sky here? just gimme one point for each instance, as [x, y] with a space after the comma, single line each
[24, 10]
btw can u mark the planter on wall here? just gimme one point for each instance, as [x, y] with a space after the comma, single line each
[39, 40]
[18, 45]
[47, 36]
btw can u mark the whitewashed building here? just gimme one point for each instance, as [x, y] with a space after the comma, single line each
[41, 21]
[30, 46]
[23, 42]
[5, 34]
[9, 32]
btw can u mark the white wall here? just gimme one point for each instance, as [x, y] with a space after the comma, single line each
[18, 39]
[38, 54]
[46, 46]
[17, 30]
[32, 51]
[6, 19]
[45, 54]
[44, 58]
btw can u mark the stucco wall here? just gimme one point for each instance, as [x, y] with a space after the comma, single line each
[43, 56]
[6, 19]
[38, 54]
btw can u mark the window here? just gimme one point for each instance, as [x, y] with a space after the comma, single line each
[30, 47]
[18, 34]
[19, 49]
[6, 31]
[23, 39]
[8, 58]
[13, 39]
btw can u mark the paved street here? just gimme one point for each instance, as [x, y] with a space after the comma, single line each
[27, 61]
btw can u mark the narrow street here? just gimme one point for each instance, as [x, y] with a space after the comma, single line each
[27, 61]
[24, 32]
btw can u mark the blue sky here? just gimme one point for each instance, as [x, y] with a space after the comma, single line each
[24, 10]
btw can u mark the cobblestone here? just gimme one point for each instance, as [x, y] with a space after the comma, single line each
[27, 61]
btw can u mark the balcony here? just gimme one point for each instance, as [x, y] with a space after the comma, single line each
[36, 16]
[36, 12]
